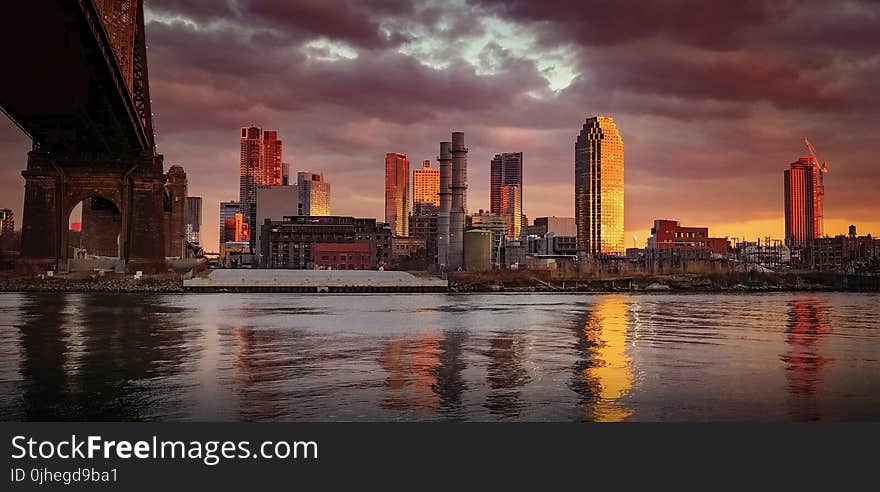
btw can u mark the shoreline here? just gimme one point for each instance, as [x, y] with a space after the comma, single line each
[460, 284]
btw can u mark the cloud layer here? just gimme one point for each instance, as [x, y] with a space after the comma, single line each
[711, 100]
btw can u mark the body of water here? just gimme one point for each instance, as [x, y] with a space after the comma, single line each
[289, 357]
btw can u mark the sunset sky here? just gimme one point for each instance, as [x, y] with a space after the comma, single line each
[711, 101]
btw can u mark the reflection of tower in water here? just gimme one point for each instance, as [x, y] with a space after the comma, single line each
[259, 372]
[44, 359]
[411, 366]
[450, 383]
[506, 374]
[804, 361]
[604, 376]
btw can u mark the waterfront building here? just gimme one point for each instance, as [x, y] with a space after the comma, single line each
[343, 256]
[397, 192]
[511, 201]
[402, 246]
[561, 226]
[671, 235]
[505, 170]
[803, 205]
[424, 228]
[314, 194]
[290, 242]
[846, 253]
[599, 188]
[228, 210]
[551, 244]
[193, 220]
[426, 188]
[274, 203]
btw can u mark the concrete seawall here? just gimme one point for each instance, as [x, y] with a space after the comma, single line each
[314, 281]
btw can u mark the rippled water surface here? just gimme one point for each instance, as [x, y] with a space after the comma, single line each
[798, 356]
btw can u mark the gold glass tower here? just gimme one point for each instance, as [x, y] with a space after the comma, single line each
[426, 184]
[598, 169]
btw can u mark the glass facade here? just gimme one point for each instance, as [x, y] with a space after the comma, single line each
[397, 192]
[314, 194]
[599, 192]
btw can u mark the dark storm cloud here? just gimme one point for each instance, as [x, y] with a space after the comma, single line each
[607, 22]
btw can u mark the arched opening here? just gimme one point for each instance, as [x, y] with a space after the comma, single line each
[94, 230]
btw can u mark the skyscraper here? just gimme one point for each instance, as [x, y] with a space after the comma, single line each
[505, 170]
[260, 164]
[426, 185]
[397, 193]
[250, 168]
[802, 204]
[510, 209]
[598, 169]
[193, 219]
[314, 194]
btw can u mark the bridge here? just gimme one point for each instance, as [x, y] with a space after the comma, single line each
[75, 81]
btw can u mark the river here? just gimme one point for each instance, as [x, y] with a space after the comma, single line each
[530, 357]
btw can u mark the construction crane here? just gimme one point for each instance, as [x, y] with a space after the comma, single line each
[820, 176]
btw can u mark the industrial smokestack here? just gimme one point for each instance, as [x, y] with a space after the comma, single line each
[445, 205]
[458, 188]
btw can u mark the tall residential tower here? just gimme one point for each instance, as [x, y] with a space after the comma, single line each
[260, 164]
[802, 204]
[506, 170]
[397, 193]
[598, 188]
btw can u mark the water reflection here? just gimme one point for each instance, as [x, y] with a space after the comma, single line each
[603, 375]
[523, 357]
[412, 367]
[44, 357]
[451, 385]
[99, 357]
[506, 374]
[804, 360]
[259, 374]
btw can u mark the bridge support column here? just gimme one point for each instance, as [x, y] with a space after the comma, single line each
[41, 239]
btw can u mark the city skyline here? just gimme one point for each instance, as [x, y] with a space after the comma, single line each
[712, 119]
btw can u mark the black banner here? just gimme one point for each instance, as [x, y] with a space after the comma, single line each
[410, 456]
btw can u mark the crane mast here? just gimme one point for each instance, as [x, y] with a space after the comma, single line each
[820, 170]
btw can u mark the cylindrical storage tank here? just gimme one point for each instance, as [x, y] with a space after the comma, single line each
[477, 250]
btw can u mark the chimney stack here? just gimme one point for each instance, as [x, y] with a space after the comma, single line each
[445, 206]
[458, 188]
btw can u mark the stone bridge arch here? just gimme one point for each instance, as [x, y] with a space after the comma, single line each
[54, 186]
